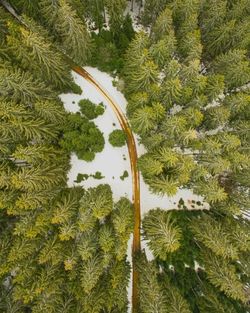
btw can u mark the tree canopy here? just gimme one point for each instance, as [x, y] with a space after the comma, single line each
[186, 77]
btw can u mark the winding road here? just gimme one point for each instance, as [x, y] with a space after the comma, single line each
[136, 247]
[135, 179]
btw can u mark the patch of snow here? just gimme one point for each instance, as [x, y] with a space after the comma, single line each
[135, 15]
[146, 249]
[110, 162]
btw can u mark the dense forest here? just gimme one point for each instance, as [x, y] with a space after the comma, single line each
[186, 77]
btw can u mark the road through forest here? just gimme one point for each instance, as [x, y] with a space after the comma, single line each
[136, 246]
[135, 179]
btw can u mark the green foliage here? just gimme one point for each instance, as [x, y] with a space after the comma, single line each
[123, 218]
[157, 294]
[106, 57]
[82, 137]
[211, 190]
[163, 235]
[215, 117]
[152, 8]
[224, 276]
[22, 86]
[36, 53]
[222, 246]
[72, 32]
[153, 298]
[124, 175]
[76, 89]
[117, 138]
[235, 67]
[90, 110]
[109, 46]
[99, 200]
[115, 10]
[64, 250]
[90, 273]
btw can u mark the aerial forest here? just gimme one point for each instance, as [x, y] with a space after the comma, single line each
[184, 69]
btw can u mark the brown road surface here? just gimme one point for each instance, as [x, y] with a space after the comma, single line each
[135, 178]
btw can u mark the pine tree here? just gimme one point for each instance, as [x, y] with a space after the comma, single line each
[115, 9]
[73, 33]
[207, 229]
[90, 273]
[117, 282]
[147, 74]
[216, 117]
[21, 86]
[37, 154]
[98, 200]
[211, 190]
[163, 25]
[215, 86]
[152, 8]
[153, 298]
[234, 66]
[143, 120]
[163, 50]
[95, 11]
[223, 275]
[37, 54]
[171, 91]
[163, 235]
[150, 166]
[29, 179]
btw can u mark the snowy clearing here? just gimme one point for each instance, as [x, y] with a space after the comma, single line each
[112, 162]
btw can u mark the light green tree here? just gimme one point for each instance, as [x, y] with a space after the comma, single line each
[37, 54]
[162, 233]
[223, 275]
[235, 67]
[22, 86]
[73, 33]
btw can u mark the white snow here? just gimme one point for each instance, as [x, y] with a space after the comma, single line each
[112, 162]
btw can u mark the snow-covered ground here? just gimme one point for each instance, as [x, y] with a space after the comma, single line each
[112, 162]
[135, 15]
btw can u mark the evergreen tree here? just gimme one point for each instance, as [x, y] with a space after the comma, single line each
[115, 9]
[22, 86]
[234, 65]
[36, 53]
[163, 235]
[73, 33]
[224, 276]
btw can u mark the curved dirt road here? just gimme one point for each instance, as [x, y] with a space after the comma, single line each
[135, 177]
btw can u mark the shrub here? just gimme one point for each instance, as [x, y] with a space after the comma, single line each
[76, 89]
[98, 175]
[82, 137]
[124, 175]
[81, 177]
[117, 138]
[89, 109]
